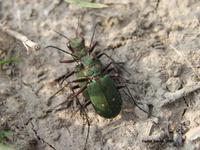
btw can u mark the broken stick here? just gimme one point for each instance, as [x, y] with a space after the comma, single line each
[27, 42]
[172, 97]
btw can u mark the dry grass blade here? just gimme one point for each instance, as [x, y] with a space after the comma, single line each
[85, 4]
[173, 97]
[10, 60]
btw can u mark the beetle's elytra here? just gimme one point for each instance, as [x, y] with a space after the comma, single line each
[105, 97]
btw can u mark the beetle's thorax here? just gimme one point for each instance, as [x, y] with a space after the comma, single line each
[92, 66]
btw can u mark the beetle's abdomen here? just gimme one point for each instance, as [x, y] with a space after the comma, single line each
[105, 97]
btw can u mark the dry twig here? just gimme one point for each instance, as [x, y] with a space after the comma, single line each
[172, 97]
[27, 42]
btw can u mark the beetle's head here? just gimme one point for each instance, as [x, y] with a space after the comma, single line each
[76, 44]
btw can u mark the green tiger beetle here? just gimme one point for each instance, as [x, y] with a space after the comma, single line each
[94, 81]
[99, 86]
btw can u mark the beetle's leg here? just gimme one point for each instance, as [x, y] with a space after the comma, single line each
[68, 61]
[106, 67]
[76, 97]
[133, 99]
[117, 76]
[149, 111]
[100, 54]
[77, 100]
[60, 90]
[117, 65]
[79, 91]
[90, 50]
[75, 87]
[93, 34]
[85, 105]
[52, 96]
[64, 77]
[83, 111]
[66, 85]
[120, 86]
[69, 103]
[88, 131]
[72, 95]
[80, 80]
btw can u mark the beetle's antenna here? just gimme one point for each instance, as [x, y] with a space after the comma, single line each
[61, 50]
[93, 34]
[78, 26]
[62, 35]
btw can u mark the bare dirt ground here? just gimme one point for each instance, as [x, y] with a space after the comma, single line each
[157, 40]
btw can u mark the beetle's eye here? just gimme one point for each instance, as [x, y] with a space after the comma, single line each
[68, 45]
[81, 65]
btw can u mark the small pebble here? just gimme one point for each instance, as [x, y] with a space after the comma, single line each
[193, 134]
[173, 84]
[174, 69]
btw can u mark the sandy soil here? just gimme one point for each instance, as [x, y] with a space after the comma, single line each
[157, 40]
